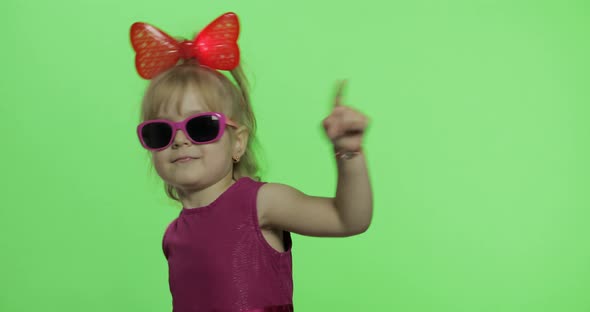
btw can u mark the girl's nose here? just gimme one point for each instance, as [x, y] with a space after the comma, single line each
[180, 139]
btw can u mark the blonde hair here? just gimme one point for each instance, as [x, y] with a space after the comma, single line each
[218, 93]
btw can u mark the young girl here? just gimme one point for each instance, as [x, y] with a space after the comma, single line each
[230, 247]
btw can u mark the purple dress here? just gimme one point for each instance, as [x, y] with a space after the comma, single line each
[218, 259]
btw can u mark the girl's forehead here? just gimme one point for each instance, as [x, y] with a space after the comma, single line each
[183, 106]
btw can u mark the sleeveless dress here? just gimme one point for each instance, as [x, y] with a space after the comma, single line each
[218, 259]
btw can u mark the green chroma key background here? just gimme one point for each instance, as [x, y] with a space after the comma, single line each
[478, 151]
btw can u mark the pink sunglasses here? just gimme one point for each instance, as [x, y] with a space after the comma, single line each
[202, 128]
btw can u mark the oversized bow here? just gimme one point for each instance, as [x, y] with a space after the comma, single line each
[215, 46]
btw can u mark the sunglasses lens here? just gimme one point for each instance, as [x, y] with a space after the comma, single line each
[203, 128]
[156, 135]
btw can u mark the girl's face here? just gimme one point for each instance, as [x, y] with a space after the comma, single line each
[209, 163]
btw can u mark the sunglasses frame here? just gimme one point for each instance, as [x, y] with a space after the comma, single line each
[181, 125]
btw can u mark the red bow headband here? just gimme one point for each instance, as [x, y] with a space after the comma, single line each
[215, 46]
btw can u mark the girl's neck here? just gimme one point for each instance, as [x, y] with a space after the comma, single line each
[198, 198]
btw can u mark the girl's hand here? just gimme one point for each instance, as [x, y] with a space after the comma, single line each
[345, 126]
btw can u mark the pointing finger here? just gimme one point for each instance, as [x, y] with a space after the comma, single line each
[339, 92]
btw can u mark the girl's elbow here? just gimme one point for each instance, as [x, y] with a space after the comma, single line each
[359, 229]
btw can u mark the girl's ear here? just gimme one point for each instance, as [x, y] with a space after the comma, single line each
[241, 136]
